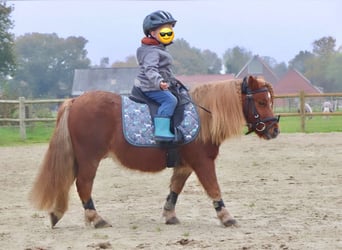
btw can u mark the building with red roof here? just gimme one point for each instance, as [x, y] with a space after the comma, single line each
[257, 67]
[294, 82]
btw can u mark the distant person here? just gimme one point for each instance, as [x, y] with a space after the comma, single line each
[307, 110]
[155, 71]
[327, 107]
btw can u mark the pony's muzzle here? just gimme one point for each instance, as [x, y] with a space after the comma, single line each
[276, 132]
[272, 130]
[275, 125]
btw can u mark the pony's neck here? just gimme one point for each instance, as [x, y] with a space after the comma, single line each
[224, 100]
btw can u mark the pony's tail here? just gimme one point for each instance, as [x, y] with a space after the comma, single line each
[50, 191]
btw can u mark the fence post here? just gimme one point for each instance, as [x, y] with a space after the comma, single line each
[22, 118]
[302, 111]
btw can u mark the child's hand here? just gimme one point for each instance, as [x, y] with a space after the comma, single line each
[164, 85]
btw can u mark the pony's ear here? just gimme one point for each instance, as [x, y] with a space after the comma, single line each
[252, 82]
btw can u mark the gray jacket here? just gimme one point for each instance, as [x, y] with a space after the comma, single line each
[155, 66]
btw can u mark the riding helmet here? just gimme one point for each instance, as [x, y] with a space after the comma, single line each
[156, 19]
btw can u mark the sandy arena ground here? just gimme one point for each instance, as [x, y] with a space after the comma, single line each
[285, 194]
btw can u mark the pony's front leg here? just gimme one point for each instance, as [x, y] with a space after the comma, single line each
[223, 214]
[178, 179]
[169, 209]
[207, 176]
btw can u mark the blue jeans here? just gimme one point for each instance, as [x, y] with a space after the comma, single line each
[166, 99]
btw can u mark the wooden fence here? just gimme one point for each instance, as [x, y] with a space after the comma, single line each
[23, 120]
[301, 96]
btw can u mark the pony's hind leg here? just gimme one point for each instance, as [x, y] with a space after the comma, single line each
[178, 179]
[92, 217]
[60, 206]
[84, 187]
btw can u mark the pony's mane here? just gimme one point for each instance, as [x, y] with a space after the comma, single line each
[223, 99]
[270, 89]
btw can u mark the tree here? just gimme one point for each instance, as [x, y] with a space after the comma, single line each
[104, 62]
[334, 73]
[324, 47]
[186, 60]
[234, 59]
[46, 63]
[322, 66]
[280, 69]
[7, 62]
[189, 60]
[301, 61]
[317, 67]
[212, 61]
[131, 61]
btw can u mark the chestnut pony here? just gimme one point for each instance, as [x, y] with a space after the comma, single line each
[89, 128]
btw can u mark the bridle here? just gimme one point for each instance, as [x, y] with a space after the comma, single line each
[257, 125]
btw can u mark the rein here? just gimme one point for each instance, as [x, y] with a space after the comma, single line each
[177, 87]
[249, 106]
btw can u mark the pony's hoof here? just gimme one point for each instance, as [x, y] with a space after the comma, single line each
[172, 221]
[102, 224]
[53, 219]
[230, 223]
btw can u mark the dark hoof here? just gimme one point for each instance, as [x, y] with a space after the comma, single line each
[53, 219]
[172, 221]
[230, 223]
[102, 224]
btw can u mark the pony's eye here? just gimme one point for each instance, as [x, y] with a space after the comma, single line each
[262, 103]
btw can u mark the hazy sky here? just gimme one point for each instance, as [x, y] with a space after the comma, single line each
[279, 29]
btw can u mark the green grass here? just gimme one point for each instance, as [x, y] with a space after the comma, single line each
[317, 124]
[41, 132]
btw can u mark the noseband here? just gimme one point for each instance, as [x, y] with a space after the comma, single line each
[258, 124]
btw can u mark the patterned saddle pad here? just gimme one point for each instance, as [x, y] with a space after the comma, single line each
[138, 127]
